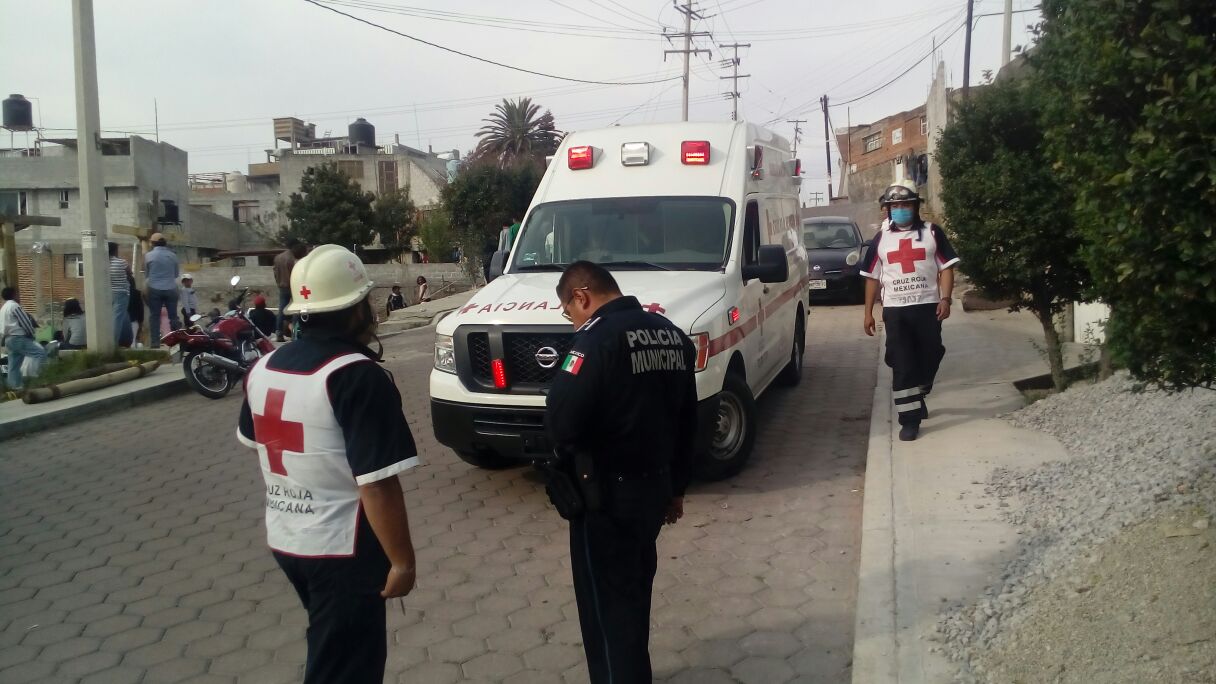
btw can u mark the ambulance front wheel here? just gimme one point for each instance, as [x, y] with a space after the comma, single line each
[734, 433]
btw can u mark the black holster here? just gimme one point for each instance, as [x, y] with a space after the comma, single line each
[562, 491]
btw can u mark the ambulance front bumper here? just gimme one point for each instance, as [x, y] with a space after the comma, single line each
[518, 432]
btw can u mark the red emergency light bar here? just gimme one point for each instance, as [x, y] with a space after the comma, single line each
[694, 152]
[500, 373]
[582, 157]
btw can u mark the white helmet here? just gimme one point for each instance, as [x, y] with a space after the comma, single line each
[330, 278]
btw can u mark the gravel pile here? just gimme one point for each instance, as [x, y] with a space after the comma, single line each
[1137, 453]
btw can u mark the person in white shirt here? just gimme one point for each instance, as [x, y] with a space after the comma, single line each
[17, 333]
[188, 298]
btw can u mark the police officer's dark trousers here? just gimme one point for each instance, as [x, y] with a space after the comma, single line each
[346, 618]
[613, 556]
[914, 352]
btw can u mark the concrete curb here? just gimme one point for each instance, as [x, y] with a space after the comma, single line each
[875, 642]
[100, 406]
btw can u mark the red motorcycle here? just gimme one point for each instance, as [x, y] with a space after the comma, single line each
[215, 357]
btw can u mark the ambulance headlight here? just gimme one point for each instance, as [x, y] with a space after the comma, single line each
[853, 258]
[445, 356]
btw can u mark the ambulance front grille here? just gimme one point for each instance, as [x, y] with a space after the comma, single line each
[520, 351]
[479, 356]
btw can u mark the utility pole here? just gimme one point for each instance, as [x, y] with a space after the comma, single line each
[733, 63]
[827, 143]
[688, 51]
[797, 133]
[99, 327]
[967, 51]
[1007, 36]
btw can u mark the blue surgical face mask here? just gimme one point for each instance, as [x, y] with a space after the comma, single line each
[901, 216]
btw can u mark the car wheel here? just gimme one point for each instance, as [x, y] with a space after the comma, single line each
[734, 434]
[791, 375]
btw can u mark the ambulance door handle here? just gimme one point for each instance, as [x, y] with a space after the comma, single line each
[766, 289]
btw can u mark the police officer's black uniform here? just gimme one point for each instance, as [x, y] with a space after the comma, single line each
[625, 400]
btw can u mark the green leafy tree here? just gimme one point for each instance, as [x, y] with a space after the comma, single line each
[396, 221]
[435, 231]
[482, 198]
[517, 132]
[1130, 87]
[331, 208]
[1012, 217]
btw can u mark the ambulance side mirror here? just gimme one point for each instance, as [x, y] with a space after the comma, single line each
[498, 264]
[770, 266]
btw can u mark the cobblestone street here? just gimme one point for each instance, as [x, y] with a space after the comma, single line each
[132, 549]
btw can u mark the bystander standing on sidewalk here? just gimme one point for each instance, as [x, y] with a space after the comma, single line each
[283, 263]
[17, 334]
[120, 296]
[162, 270]
[912, 263]
[189, 298]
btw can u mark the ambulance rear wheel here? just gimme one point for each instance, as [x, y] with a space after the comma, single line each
[488, 460]
[734, 434]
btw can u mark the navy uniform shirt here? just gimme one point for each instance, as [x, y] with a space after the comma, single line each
[627, 395]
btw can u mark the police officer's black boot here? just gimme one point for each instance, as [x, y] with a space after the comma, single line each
[909, 432]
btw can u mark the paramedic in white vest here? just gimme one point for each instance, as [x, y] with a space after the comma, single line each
[326, 421]
[912, 264]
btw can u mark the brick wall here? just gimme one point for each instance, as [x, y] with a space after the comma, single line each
[908, 126]
[57, 285]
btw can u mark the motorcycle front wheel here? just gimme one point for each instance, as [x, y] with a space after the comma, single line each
[210, 381]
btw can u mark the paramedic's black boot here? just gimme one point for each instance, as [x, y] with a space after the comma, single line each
[908, 432]
[924, 410]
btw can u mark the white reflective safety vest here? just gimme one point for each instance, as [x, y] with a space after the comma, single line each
[312, 497]
[906, 263]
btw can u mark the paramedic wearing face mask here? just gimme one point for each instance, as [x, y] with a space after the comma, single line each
[912, 262]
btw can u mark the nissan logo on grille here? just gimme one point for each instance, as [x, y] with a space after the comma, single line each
[546, 357]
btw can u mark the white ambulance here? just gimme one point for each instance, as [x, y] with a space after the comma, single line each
[700, 222]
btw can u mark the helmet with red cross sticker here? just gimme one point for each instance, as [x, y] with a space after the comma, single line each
[330, 278]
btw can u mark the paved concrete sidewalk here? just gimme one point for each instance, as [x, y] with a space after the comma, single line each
[19, 418]
[424, 314]
[930, 536]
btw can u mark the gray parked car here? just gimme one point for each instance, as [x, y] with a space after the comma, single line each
[835, 252]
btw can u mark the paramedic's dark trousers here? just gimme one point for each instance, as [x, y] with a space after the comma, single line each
[914, 352]
[346, 619]
[613, 556]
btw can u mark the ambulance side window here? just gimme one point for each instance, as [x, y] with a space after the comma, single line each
[751, 234]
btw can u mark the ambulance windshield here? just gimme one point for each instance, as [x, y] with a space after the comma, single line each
[628, 233]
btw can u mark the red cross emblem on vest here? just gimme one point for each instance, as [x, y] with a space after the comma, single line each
[304, 291]
[906, 256]
[654, 307]
[276, 434]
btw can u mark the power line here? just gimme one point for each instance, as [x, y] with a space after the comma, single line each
[625, 33]
[481, 59]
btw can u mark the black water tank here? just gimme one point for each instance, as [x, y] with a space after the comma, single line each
[18, 113]
[362, 134]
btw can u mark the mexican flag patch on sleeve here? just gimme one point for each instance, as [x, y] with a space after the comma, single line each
[573, 363]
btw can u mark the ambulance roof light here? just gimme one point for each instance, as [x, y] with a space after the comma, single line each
[694, 152]
[635, 154]
[581, 157]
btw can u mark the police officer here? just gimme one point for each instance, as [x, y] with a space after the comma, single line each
[912, 262]
[326, 421]
[622, 416]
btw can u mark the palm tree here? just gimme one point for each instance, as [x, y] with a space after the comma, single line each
[516, 131]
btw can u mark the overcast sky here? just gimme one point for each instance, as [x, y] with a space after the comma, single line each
[220, 70]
